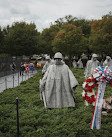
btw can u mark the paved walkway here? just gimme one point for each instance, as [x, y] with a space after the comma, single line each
[13, 80]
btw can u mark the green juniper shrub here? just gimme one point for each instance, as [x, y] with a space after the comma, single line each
[35, 121]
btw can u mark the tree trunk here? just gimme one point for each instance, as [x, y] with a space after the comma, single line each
[70, 60]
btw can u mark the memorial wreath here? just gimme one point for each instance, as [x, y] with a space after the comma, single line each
[97, 80]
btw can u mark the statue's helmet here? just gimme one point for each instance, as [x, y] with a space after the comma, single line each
[58, 55]
[108, 57]
[94, 55]
[47, 57]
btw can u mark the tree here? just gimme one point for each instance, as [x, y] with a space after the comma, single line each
[101, 35]
[47, 37]
[85, 26]
[1, 41]
[69, 41]
[22, 39]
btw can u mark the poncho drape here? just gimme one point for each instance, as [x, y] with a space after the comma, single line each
[90, 67]
[108, 63]
[57, 84]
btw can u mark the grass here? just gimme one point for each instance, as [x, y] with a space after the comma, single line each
[36, 122]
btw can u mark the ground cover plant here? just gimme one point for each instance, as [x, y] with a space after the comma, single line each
[34, 121]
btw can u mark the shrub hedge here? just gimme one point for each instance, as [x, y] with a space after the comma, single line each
[35, 121]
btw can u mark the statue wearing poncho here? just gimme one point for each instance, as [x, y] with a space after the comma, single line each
[91, 65]
[57, 84]
[79, 63]
[108, 62]
[47, 64]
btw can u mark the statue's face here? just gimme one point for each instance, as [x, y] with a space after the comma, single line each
[57, 61]
[108, 59]
[48, 60]
[94, 58]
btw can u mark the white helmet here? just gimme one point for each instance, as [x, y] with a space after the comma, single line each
[108, 57]
[47, 57]
[94, 56]
[58, 55]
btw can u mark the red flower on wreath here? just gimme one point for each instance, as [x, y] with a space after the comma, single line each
[85, 90]
[94, 85]
[90, 101]
[93, 80]
[90, 90]
[87, 98]
[88, 80]
[92, 98]
[88, 87]
[86, 94]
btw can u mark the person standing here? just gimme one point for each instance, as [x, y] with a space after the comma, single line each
[13, 67]
[27, 68]
[38, 65]
[22, 68]
[31, 67]
[91, 65]
[58, 84]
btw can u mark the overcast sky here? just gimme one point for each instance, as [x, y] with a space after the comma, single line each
[43, 12]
